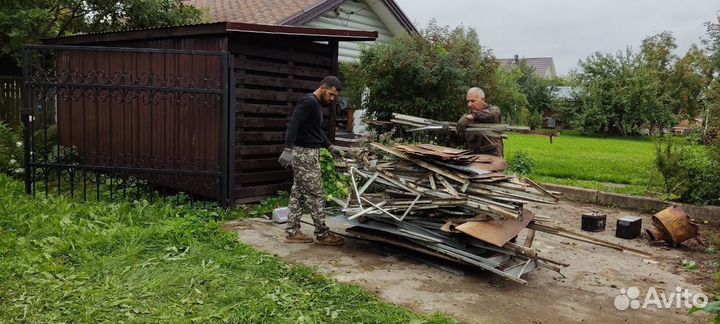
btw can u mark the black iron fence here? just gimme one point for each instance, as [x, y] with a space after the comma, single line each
[113, 123]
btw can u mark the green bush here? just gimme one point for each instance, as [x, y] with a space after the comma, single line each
[335, 184]
[423, 75]
[521, 163]
[11, 151]
[691, 173]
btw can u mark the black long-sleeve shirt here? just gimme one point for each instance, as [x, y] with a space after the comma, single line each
[305, 126]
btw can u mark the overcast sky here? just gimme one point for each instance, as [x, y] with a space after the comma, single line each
[567, 30]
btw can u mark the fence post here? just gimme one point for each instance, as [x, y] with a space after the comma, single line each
[26, 120]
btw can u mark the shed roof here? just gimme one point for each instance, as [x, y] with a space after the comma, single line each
[318, 34]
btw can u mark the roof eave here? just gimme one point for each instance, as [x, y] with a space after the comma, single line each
[320, 8]
[218, 28]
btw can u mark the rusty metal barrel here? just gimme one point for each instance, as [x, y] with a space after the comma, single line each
[671, 225]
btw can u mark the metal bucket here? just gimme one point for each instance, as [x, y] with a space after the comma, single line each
[671, 225]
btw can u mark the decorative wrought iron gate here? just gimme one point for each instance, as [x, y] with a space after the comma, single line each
[108, 122]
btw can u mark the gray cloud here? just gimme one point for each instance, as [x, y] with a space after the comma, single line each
[568, 30]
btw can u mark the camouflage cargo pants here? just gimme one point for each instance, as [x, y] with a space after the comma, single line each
[306, 195]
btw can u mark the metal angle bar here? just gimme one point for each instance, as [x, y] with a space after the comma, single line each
[352, 177]
[477, 263]
[447, 186]
[368, 183]
[365, 211]
[379, 207]
[421, 236]
[410, 207]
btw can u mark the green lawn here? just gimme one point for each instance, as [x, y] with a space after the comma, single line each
[63, 261]
[607, 164]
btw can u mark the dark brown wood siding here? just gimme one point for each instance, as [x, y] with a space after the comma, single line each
[145, 110]
[271, 74]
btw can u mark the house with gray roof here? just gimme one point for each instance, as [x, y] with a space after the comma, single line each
[544, 66]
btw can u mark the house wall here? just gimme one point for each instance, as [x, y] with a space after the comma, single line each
[356, 16]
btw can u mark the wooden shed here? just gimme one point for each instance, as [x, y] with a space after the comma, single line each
[174, 104]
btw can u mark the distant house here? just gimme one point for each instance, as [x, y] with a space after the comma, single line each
[686, 126]
[383, 16]
[544, 66]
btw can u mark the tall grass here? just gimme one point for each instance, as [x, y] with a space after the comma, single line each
[63, 261]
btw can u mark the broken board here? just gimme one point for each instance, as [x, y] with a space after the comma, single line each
[496, 232]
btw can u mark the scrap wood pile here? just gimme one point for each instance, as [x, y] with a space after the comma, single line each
[447, 203]
[450, 204]
[424, 124]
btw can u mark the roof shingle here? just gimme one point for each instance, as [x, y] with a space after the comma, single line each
[269, 12]
[544, 66]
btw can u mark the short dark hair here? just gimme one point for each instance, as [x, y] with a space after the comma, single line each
[331, 81]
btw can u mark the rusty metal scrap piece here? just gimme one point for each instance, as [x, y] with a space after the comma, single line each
[672, 225]
[496, 232]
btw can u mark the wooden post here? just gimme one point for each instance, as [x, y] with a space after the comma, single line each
[333, 107]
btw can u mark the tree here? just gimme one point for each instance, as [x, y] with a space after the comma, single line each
[29, 21]
[619, 94]
[537, 90]
[424, 75]
[687, 83]
[508, 95]
[711, 104]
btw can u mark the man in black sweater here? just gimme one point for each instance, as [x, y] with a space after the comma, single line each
[303, 140]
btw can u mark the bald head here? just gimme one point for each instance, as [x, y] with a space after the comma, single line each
[475, 99]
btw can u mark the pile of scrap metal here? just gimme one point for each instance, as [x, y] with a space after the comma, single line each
[422, 124]
[447, 203]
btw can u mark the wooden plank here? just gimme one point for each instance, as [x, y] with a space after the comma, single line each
[246, 122]
[271, 109]
[301, 71]
[245, 137]
[268, 176]
[246, 165]
[243, 150]
[264, 109]
[421, 163]
[249, 122]
[309, 86]
[270, 189]
[268, 95]
[280, 54]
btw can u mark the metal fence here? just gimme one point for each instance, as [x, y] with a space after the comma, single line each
[112, 123]
[10, 100]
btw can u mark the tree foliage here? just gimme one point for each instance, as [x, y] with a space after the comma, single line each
[424, 75]
[712, 95]
[508, 95]
[537, 90]
[29, 21]
[619, 94]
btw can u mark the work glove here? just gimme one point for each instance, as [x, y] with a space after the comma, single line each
[285, 158]
[336, 151]
[462, 125]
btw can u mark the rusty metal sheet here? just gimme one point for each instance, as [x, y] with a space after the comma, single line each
[496, 232]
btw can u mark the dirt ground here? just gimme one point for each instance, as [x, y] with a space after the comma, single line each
[586, 293]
